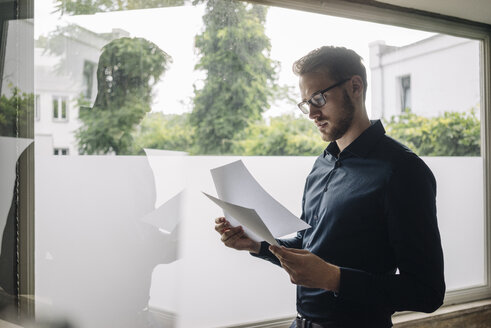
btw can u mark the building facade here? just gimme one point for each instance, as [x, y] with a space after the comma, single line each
[420, 77]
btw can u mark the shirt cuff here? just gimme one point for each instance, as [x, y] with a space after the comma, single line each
[263, 251]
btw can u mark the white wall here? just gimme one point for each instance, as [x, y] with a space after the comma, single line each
[444, 74]
[92, 249]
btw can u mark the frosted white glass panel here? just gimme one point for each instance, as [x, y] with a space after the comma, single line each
[250, 285]
[93, 249]
[95, 252]
[461, 219]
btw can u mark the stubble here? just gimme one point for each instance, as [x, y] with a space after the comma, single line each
[341, 126]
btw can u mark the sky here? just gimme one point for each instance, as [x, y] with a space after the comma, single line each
[292, 33]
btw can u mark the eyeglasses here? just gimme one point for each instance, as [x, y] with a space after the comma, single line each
[317, 98]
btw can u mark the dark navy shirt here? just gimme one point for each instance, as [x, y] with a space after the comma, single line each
[372, 211]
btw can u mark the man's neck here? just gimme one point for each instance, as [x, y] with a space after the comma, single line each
[353, 132]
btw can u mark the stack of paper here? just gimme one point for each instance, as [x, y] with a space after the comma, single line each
[246, 203]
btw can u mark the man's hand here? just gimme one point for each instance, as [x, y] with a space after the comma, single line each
[307, 269]
[235, 237]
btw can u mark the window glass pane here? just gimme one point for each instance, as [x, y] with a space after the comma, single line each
[63, 108]
[88, 78]
[55, 108]
[405, 82]
[154, 109]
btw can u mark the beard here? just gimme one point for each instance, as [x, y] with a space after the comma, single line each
[343, 123]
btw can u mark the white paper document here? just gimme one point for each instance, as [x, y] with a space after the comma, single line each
[240, 193]
[248, 218]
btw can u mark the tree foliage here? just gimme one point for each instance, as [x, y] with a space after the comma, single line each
[15, 112]
[87, 7]
[234, 52]
[451, 134]
[128, 69]
[169, 132]
[285, 135]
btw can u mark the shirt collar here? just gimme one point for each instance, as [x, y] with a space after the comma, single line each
[361, 145]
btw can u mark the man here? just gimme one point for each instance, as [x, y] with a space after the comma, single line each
[374, 246]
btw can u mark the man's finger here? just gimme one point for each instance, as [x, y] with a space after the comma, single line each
[221, 227]
[220, 219]
[292, 263]
[285, 250]
[290, 259]
[283, 253]
[287, 267]
[234, 238]
[230, 233]
[296, 251]
[277, 251]
[291, 272]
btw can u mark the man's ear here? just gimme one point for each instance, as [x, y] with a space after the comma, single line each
[357, 86]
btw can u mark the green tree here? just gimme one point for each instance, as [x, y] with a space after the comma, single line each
[451, 134]
[169, 132]
[15, 112]
[128, 69]
[285, 135]
[240, 75]
[87, 7]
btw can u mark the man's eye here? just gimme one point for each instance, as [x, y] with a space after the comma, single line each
[318, 98]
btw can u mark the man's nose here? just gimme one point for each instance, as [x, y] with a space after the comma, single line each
[314, 112]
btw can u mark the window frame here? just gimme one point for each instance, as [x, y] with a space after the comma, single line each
[421, 20]
[59, 109]
[60, 151]
[403, 92]
[88, 71]
[352, 9]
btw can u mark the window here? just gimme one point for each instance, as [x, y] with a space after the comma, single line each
[60, 108]
[60, 151]
[124, 189]
[405, 91]
[88, 78]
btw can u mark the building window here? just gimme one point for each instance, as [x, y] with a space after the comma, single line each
[405, 87]
[37, 108]
[88, 76]
[60, 108]
[60, 151]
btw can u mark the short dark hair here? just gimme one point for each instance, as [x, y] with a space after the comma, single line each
[339, 62]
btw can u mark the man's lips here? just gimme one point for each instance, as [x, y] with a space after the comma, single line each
[321, 124]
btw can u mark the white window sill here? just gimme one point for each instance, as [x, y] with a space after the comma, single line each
[443, 313]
